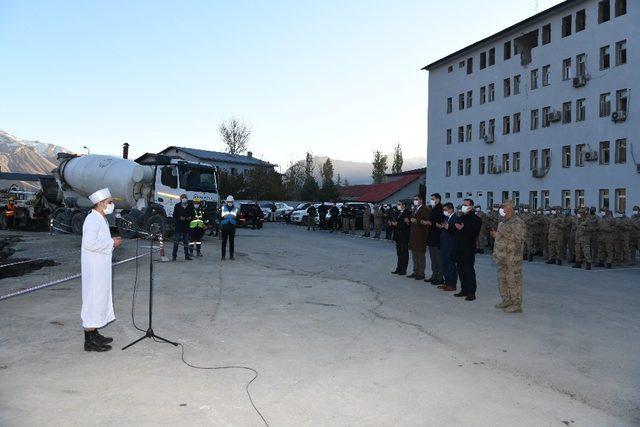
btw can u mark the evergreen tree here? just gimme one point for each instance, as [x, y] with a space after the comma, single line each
[329, 189]
[396, 167]
[379, 167]
[310, 189]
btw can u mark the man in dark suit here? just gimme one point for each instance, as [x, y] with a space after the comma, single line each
[433, 241]
[467, 231]
[447, 242]
[418, 236]
[401, 224]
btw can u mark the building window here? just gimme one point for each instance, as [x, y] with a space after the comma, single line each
[565, 199]
[534, 119]
[483, 95]
[581, 20]
[459, 194]
[621, 151]
[505, 162]
[566, 112]
[461, 101]
[507, 87]
[505, 196]
[581, 64]
[581, 112]
[450, 69]
[534, 79]
[449, 105]
[492, 92]
[516, 123]
[516, 161]
[621, 7]
[604, 11]
[580, 151]
[461, 64]
[506, 125]
[516, 84]
[603, 198]
[483, 60]
[579, 199]
[447, 195]
[566, 69]
[566, 26]
[621, 200]
[447, 168]
[469, 65]
[533, 200]
[460, 167]
[621, 52]
[544, 195]
[468, 135]
[546, 34]
[489, 200]
[460, 133]
[515, 198]
[507, 50]
[533, 159]
[605, 104]
[545, 117]
[621, 100]
[566, 156]
[482, 131]
[490, 163]
[546, 158]
[481, 165]
[546, 75]
[492, 127]
[604, 153]
[448, 136]
[467, 167]
[605, 58]
[469, 98]
[492, 56]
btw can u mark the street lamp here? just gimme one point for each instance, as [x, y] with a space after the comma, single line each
[86, 148]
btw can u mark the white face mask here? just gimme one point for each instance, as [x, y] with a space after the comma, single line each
[553, 212]
[416, 203]
[432, 203]
[501, 212]
[448, 214]
[636, 212]
[525, 210]
[399, 207]
[183, 201]
[466, 209]
[109, 209]
[196, 205]
[229, 204]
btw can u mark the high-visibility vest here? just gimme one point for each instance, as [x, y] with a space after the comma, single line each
[197, 221]
[11, 209]
[228, 215]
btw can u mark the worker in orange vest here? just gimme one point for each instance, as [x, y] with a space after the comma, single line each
[10, 214]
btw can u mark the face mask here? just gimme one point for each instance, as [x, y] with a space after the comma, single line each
[636, 212]
[109, 209]
[183, 201]
[416, 203]
[553, 212]
[501, 211]
[229, 204]
[525, 210]
[432, 203]
[399, 207]
[477, 209]
[466, 209]
[448, 214]
[196, 205]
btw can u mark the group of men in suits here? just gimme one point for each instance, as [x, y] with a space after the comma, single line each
[450, 238]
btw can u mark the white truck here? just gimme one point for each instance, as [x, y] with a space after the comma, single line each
[144, 193]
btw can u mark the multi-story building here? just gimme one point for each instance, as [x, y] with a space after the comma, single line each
[541, 112]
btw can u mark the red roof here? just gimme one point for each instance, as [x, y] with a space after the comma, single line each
[376, 192]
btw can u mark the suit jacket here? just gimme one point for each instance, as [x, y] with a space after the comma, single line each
[448, 237]
[465, 244]
[437, 216]
[402, 230]
[418, 232]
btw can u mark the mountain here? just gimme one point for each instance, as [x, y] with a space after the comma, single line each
[18, 155]
[360, 172]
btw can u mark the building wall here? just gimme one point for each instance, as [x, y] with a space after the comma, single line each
[226, 166]
[407, 192]
[593, 176]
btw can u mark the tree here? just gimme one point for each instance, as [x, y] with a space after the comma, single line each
[396, 167]
[231, 184]
[338, 181]
[346, 182]
[329, 189]
[310, 189]
[294, 178]
[235, 135]
[379, 167]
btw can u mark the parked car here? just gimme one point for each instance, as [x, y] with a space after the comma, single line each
[299, 212]
[281, 209]
[246, 213]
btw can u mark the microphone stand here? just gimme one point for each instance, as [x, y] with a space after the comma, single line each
[150, 333]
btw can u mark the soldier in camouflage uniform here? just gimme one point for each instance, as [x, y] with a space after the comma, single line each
[507, 253]
[586, 225]
[570, 235]
[555, 227]
[605, 233]
[594, 236]
[635, 234]
[378, 214]
[366, 220]
[623, 229]
[482, 237]
[530, 220]
[493, 218]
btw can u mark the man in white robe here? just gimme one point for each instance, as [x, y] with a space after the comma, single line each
[97, 246]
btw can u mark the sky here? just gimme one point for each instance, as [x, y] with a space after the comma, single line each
[340, 78]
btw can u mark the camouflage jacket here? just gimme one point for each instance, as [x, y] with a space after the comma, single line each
[586, 226]
[624, 226]
[635, 220]
[556, 226]
[509, 241]
[606, 227]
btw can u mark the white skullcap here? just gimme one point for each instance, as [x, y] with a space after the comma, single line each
[230, 198]
[100, 195]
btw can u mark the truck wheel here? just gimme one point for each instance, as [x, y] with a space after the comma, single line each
[60, 222]
[156, 224]
[77, 221]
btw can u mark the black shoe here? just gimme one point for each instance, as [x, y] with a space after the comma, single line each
[530, 258]
[231, 258]
[412, 275]
[223, 258]
[558, 261]
[459, 295]
[437, 282]
[92, 343]
[198, 254]
[173, 259]
[608, 265]
[470, 298]
[588, 266]
[550, 261]
[481, 251]
[430, 279]
[600, 264]
[395, 272]
[419, 278]
[577, 265]
[188, 258]
[102, 338]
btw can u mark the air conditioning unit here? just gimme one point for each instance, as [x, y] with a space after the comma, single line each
[591, 156]
[538, 172]
[580, 81]
[554, 116]
[488, 139]
[619, 116]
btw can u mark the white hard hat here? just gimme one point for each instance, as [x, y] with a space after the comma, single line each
[100, 195]
[230, 199]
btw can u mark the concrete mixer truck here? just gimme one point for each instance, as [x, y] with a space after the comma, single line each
[144, 193]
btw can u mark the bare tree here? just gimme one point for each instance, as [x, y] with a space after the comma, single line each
[235, 135]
